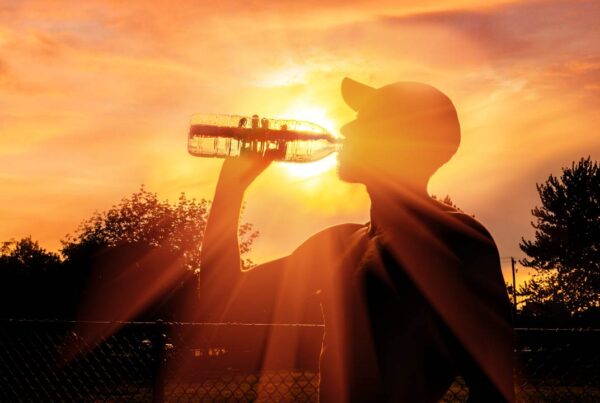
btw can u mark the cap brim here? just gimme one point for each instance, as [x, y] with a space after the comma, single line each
[356, 94]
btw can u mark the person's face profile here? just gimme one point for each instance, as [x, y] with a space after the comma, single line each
[374, 147]
[354, 156]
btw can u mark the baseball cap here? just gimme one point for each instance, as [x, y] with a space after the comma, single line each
[417, 107]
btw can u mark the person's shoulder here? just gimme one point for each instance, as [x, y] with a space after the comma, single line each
[473, 242]
[469, 226]
[333, 236]
[339, 231]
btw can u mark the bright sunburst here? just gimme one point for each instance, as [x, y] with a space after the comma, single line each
[311, 169]
[319, 116]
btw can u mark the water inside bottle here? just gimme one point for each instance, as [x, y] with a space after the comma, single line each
[278, 139]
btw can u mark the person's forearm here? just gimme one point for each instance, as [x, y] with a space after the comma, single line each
[220, 258]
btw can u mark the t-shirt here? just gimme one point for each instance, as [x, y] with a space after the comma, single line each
[407, 306]
[384, 340]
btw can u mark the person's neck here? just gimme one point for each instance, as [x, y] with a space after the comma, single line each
[402, 194]
[386, 200]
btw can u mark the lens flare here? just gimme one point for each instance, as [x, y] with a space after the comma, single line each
[312, 169]
[318, 115]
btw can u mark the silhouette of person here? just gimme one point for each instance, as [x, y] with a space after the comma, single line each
[411, 299]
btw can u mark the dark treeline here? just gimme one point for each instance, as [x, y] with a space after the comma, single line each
[137, 261]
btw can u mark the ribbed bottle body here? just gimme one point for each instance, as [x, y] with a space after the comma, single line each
[278, 139]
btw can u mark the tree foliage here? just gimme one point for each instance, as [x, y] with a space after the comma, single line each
[144, 219]
[26, 255]
[140, 257]
[446, 200]
[565, 251]
[28, 274]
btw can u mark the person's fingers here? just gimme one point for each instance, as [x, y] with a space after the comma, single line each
[244, 169]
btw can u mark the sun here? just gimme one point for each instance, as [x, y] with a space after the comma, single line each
[310, 169]
[319, 116]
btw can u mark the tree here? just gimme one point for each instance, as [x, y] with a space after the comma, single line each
[140, 258]
[26, 254]
[137, 260]
[565, 251]
[446, 200]
[28, 276]
[144, 219]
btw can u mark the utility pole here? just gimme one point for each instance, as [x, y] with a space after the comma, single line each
[514, 284]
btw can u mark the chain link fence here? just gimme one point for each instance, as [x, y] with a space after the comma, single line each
[192, 362]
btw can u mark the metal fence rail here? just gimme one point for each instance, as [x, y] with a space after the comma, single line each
[190, 362]
[559, 365]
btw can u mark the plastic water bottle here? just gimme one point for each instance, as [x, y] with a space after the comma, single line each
[279, 139]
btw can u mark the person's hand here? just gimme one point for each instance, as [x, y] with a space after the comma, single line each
[242, 171]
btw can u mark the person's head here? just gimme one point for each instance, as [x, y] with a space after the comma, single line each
[402, 134]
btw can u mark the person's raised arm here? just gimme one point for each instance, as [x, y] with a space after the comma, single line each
[220, 267]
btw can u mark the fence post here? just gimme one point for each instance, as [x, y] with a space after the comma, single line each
[159, 336]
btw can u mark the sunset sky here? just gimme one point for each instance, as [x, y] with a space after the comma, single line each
[96, 96]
